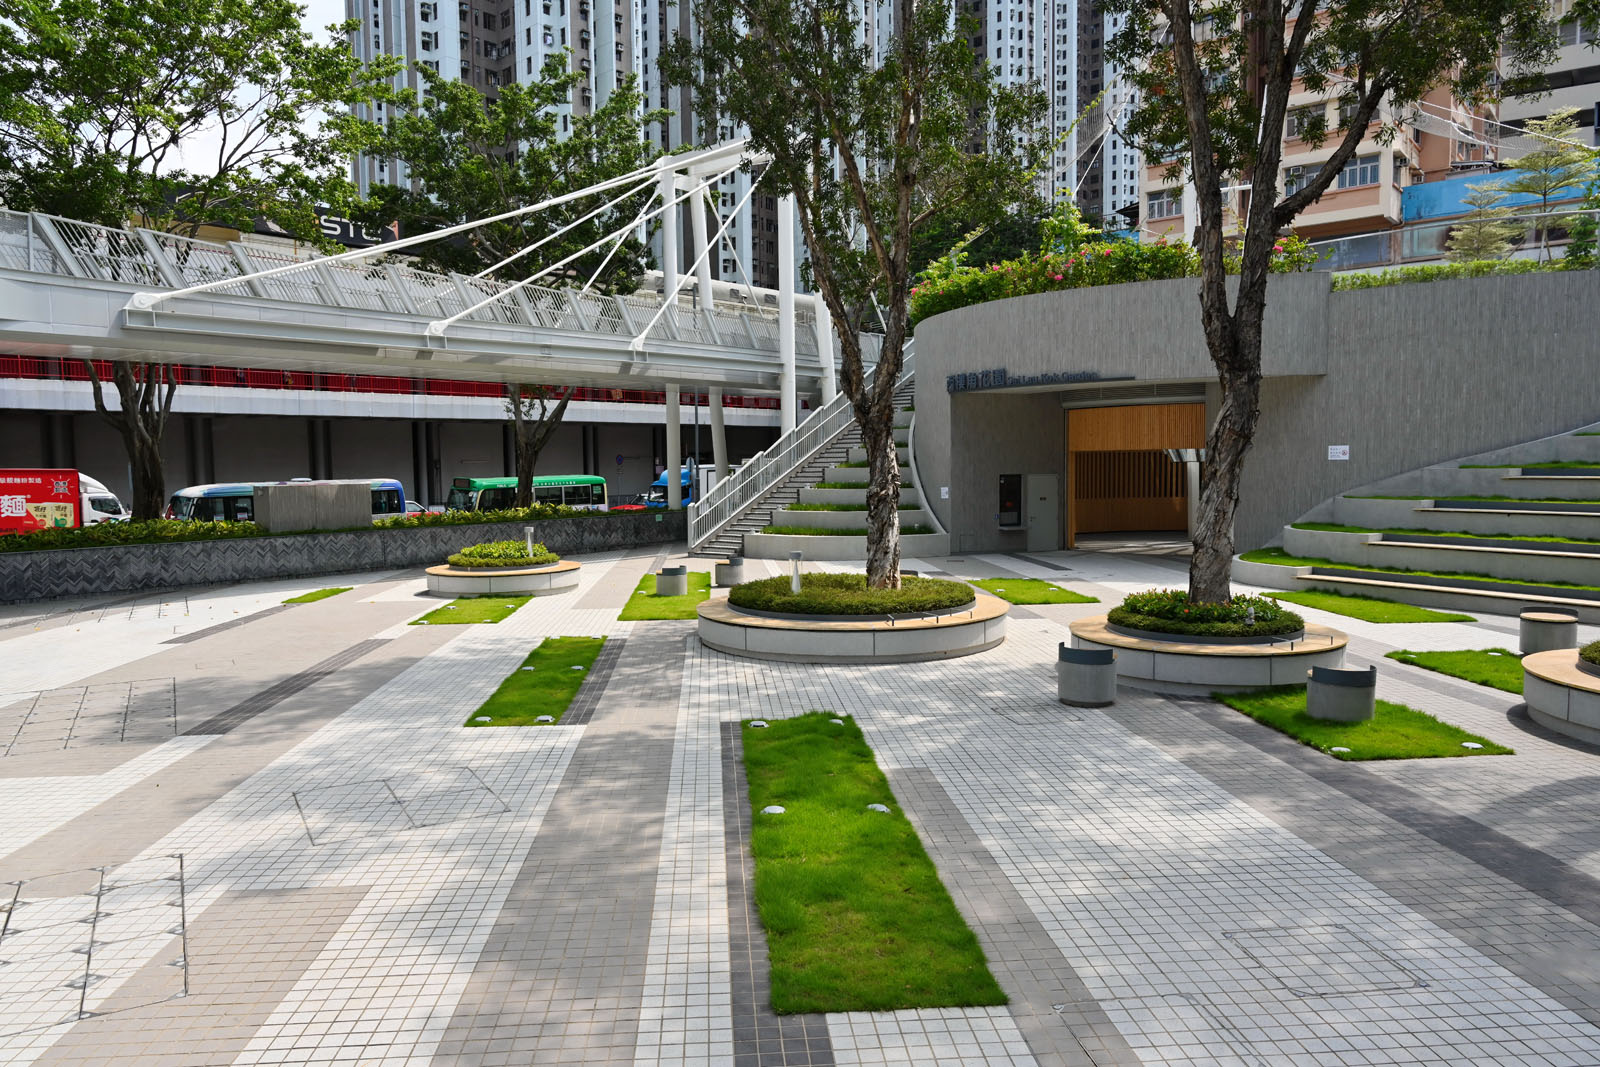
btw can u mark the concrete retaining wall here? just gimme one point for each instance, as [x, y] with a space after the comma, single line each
[836, 547]
[135, 568]
[843, 520]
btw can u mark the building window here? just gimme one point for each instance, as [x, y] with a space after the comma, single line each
[430, 40]
[1166, 204]
[1296, 178]
[1362, 170]
[428, 12]
[1299, 121]
[549, 36]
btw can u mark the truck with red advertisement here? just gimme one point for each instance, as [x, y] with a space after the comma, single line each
[42, 498]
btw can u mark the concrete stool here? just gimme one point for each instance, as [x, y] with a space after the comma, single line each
[672, 581]
[730, 572]
[1341, 694]
[1543, 631]
[1086, 677]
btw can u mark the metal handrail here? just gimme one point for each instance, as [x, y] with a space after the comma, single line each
[729, 498]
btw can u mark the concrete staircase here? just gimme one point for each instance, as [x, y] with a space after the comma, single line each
[1475, 535]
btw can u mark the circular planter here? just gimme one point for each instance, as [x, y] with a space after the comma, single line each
[1171, 663]
[854, 638]
[1562, 693]
[448, 581]
[1205, 639]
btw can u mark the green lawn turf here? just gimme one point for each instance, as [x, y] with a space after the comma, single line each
[544, 684]
[1278, 557]
[1394, 732]
[1031, 591]
[1495, 667]
[855, 914]
[1334, 527]
[644, 604]
[473, 609]
[1368, 609]
[319, 594]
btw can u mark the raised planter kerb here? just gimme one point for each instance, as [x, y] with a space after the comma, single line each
[548, 580]
[1341, 694]
[905, 638]
[1177, 664]
[1086, 677]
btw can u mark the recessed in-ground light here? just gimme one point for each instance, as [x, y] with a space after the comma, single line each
[1470, 744]
[452, 607]
[773, 809]
[877, 807]
[758, 724]
[837, 722]
[1492, 653]
[1338, 748]
[483, 718]
[577, 666]
[545, 718]
[527, 668]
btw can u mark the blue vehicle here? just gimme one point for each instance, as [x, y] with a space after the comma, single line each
[235, 501]
[656, 495]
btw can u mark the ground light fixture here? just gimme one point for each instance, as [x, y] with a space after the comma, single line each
[794, 579]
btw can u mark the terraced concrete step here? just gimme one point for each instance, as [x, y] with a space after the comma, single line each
[1503, 598]
[1497, 558]
[1509, 544]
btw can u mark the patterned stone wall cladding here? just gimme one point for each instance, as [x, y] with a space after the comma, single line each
[132, 568]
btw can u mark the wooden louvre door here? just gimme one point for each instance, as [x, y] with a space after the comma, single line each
[1121, 477]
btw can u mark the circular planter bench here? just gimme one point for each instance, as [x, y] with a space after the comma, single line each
[448, 581]
[1185, 667]
[1563, 693]
[854, 638]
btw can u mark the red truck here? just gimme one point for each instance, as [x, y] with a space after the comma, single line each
[34, 498]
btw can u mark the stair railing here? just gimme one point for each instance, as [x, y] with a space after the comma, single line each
[771, 467]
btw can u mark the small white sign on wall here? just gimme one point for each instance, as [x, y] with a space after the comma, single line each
[944, 492]
[1338, 452]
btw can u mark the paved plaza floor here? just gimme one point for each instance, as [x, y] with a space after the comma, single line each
[238, 832]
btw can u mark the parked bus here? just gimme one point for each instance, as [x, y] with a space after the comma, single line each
[587, 491]
[235, 501]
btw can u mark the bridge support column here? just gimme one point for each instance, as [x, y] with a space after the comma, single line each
[824, 324]
[719, 437]
[702, 270]
[669, 235]
[786, 280]
[674, 457]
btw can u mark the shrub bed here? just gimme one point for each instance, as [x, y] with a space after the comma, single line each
[472, 518]
[1590, 653]
[823, 531]
[847, 594]
[1169, 611]
[503, 554]
[149, 532]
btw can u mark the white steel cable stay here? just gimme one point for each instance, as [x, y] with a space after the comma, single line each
[613, 202]
[638, 221]
[437, 327]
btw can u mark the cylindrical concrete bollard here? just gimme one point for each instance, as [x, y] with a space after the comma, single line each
[1086, 677]
[1543, 631]
[672, 581]
[1341, 694]
[730, 572]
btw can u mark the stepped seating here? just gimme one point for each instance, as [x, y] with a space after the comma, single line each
[1481, 542]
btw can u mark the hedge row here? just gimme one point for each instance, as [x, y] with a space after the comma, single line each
[1169, 611]
[847, 594]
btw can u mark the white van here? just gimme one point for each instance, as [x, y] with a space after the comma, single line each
[97, 503]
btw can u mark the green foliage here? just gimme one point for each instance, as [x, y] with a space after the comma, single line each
[1278, 557]
[503, 554]
[1590, 653]
[1367, 609]
[1333, 527]
[1031, 591]
[848, 594]
[646, 604]
[468, 158]
[1438, 272]
[1557, 165]
[1395, 731]
[1583, 250]
[472, 609]
[96, 99]
[860, 531]
[840, 485]
[149, 532]
[855, 915]
[843, 507]
[531, 513]
[319, 594]
[1170, 611]
[1483, 234]
[543, 684]
[1495, 667]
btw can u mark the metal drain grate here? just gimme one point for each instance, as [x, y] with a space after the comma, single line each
[1324, 961]
[389, 805]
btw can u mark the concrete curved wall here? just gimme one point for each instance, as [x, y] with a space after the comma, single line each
[1406, 375]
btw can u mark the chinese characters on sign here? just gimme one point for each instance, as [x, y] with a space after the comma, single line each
[37, 499]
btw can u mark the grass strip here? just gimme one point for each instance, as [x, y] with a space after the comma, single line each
[1520, 499]
[543, 684]
[645, 605]
[1565, 464]
[1278, 557]
[1333, 527]
[1394, 732]
[855, 914]
[823, 531]
[1368, 608]
[1496, 667]
[319, 594]
[472, 609]
[1031, 591]
[841, 485]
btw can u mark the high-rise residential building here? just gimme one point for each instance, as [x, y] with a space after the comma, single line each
[1572, 81]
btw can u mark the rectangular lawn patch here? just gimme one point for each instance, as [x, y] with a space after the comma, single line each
[855, 914]
[1496, 667]
[472, 609]
[544, 683]
[1368, 609]
[319, 594]
[1394, 732]
[645, 605]
[1031, 591]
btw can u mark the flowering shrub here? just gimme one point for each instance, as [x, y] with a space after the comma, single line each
[1169, 611]
[503, 554]
[1069, 259]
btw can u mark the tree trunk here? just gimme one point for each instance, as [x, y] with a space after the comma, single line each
[533, 424]
[883, 493]
[144, 391]
[1211, 567]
